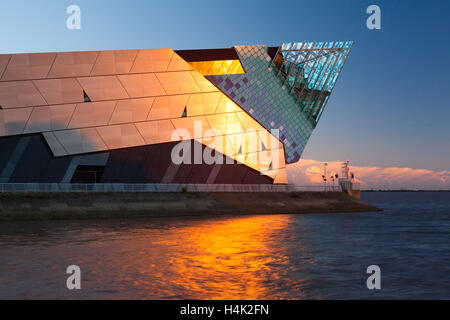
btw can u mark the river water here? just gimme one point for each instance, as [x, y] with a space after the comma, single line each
[311, 256]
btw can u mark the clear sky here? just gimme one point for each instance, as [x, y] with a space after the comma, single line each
[390, 107]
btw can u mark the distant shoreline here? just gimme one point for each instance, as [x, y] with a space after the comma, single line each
[63, 206]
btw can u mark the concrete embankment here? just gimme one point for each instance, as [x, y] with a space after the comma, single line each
[41, 206]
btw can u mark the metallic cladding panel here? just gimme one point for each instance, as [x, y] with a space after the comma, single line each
[4, 59]
[114, 62]
[156, 131]
[252, 141]
[244, 143]
[13, 121]
[202, 82]
[177, 82]
[55, 146]
[187, 125]
[251, 160]
[168, 107]
[227, 123]
[73, 64]
[203, 103]
[248, 122]
[131, 110]
[28, 66]
[60, 91]
[121, 136]
[142, 85]
[92, 114]
[152, 60]
[103, 88]
[49, 118]
[178, 64]
[227, 105]
[78, 141]
[219, 143]
[18, 94]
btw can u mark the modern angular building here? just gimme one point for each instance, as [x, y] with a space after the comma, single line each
[118, 116]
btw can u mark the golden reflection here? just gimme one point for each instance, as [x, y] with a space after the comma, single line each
[224, 258]
[218, 67]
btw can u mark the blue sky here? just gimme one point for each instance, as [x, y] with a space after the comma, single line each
[390, 107]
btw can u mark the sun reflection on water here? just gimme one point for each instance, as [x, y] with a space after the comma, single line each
[232, 258]
[250, 257]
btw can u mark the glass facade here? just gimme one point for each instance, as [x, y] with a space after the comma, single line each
[309, 71]
[288, 91]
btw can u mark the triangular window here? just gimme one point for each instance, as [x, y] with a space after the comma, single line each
[86, 97]
[184, 115]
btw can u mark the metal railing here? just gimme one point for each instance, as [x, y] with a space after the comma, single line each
[150, 187]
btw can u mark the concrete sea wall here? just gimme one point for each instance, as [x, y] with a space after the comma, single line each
[38, 206]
